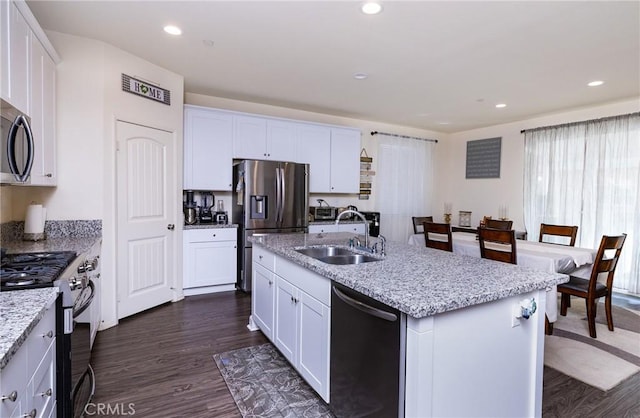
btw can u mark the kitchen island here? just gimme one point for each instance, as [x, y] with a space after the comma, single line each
[467, 352]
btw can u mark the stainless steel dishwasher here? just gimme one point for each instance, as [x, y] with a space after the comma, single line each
[367, 356]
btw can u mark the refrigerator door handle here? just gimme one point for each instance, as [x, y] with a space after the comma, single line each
[278, 196]
[283, 193]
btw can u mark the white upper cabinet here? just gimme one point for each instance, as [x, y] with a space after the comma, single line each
[314, 148]
[281, 140]
[207, 149]
[43, 106]
[345, 160]
[258, 138]
[213, 138]
[333, 155]
[16, 39]
[249, 138]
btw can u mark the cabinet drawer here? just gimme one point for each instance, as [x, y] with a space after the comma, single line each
[323, 228]
[42, 388]
[14, 377]
[312, 283]
[41, 337]
[264, 258]
[212, 234]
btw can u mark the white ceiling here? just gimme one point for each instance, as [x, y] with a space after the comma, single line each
[437, 65]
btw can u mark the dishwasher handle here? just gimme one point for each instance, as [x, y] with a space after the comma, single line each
[369, 310]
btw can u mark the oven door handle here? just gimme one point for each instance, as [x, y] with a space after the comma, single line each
[90, 288]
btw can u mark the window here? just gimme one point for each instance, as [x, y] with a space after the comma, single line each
[588, 174]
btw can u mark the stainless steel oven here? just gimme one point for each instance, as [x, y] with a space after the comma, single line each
[76, 380]
[17, 147]
[72, 274]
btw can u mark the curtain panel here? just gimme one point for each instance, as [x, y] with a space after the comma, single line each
[588, 174]
[405, 185]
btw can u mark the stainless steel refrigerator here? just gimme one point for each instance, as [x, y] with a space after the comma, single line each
[269, 197]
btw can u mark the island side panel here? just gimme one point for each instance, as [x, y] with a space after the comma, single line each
[474, 362]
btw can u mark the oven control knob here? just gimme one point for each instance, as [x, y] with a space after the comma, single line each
[75, 283]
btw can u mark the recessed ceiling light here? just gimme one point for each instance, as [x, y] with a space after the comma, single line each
[501, 105]
[360, 76]
[371, 8]
[595, 83]
[173, 30]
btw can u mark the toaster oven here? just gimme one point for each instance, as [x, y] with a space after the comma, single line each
[323, 213]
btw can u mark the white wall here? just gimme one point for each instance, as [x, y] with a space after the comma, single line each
[484, 196]
[89, 102]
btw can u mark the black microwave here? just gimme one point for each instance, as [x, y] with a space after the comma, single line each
[17, 148]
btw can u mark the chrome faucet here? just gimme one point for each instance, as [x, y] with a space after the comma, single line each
[383, 243]
[366, 224]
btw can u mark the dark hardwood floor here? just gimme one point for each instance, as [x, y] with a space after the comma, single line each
[161, 362]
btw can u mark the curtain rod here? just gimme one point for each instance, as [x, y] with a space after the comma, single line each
[563, 125]
[403, 136]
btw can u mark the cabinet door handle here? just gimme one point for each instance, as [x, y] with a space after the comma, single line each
[12, 396]
[32, 414]
[48, 175]
[270, 282]
[171, 227]
[48, 334]
[48, 392]
[214, 235]
[260, 257]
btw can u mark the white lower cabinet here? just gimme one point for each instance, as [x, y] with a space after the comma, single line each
[30, 376]
[291, 305]
[209, 260]
[263, 299]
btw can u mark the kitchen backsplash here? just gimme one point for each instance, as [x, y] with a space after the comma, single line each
[11, 231]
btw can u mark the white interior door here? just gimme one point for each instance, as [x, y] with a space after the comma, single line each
[146, 217]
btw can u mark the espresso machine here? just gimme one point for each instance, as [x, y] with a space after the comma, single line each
[190, 209]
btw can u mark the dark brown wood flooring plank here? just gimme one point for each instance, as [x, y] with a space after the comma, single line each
[161, 360]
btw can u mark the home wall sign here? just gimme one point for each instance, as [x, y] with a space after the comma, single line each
[144, 89]
[483, 158]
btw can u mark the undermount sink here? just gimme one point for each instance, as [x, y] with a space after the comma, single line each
[337, 255]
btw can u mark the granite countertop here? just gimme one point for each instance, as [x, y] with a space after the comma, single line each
[209, 226]
[418, 281]
[20, 312]
[77, 244]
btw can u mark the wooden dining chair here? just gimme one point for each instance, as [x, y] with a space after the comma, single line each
[559, 230]
[590, 288]
[492, 236]
[437, 228]
[418, 221]
[498, 224]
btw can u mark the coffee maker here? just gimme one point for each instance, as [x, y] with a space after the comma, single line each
[190, 213]
[206, 210]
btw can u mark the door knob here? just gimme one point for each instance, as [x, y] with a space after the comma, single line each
[171, 227]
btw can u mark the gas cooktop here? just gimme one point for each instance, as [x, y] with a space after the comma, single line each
[33, 270]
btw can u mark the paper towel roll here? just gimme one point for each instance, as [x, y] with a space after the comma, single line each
[34, 221]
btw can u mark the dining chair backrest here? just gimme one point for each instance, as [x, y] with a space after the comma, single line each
[437, 228]
[418, 221]
[559, 230]
[605, 262]
[498, 224]
[492, 236]
[592, 288]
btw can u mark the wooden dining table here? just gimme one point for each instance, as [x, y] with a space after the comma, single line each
[534, 255]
